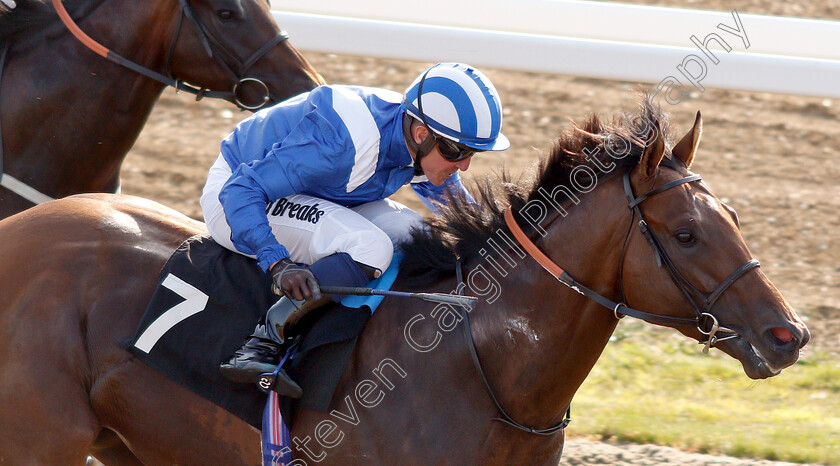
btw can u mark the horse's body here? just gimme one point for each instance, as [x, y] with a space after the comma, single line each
[69, 116]
[76, 275]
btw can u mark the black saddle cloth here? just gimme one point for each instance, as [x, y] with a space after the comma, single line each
[188, 343]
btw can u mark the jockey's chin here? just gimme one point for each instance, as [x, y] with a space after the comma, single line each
[438, 169]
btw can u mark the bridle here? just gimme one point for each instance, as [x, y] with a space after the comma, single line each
[214, 47]
[705, 322]
[703, 305]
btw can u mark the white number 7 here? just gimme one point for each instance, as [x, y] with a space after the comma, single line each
[195, 303]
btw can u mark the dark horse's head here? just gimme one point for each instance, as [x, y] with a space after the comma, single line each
[664, 244]
[220, 45]
[241, 30]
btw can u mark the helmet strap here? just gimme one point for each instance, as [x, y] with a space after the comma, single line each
[420, 150]
[429, 143]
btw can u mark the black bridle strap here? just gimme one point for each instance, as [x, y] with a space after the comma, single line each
[618, 308]
[112, 56]
[685, 286]
[171, 52]
[563, 277]
[249, 62]
[635, 201]
[724, 285]
[213, 44]
[505, 417]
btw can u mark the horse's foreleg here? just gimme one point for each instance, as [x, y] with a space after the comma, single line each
[165, 423]
[109, 449]
[45, 411]
[46, 417]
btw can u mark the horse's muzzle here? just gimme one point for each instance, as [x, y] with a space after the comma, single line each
[774, 349]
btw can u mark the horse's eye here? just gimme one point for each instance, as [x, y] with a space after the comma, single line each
[685, 237]
[226, 15]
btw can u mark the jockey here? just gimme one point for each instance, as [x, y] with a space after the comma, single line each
[302, 187]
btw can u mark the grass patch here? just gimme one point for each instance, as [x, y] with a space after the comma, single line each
[664, 391]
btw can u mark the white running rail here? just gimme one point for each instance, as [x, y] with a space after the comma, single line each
[695, 49]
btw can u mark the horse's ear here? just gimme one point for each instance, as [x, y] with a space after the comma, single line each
[653, 154]
[687, 147]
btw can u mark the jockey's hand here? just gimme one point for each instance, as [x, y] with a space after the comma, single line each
[295, 280]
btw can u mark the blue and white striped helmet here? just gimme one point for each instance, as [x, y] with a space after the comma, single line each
[458, 103]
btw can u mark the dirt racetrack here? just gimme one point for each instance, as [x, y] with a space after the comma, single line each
[774, 158]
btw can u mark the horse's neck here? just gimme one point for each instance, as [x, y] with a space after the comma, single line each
[541, 340]
[75, 115]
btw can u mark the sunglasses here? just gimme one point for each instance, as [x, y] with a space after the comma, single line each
[452, 151]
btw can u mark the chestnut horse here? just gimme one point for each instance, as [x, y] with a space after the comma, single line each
[68, 116]
[77, 273]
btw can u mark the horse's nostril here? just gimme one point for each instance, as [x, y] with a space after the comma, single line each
[783, 335]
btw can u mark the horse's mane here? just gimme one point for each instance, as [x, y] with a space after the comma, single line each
[31, 18]
[463, 230]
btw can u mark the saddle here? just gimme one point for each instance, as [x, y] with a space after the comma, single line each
[208, 300]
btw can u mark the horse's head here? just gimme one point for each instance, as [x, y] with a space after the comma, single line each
[236, 45]
[687, 257]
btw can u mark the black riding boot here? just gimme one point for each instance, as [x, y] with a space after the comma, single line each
[262, 351]
[258, 355]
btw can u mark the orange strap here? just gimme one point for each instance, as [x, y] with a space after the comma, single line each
[74, 29]
[532, 248]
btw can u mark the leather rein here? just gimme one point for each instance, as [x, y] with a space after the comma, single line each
[620, 309]
[214, 47]
[702, 306]
[505, 417]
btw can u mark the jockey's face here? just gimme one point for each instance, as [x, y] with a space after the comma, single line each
[438, 169]
[435, 166]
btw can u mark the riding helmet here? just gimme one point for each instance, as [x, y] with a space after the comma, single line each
[458, 102]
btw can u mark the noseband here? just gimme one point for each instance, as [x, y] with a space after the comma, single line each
[214, 47]
[703, 312]
[705, 322]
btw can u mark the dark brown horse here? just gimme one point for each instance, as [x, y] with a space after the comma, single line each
[76, 275]
[69, 116]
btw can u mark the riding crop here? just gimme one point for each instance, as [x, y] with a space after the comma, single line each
[467, 302]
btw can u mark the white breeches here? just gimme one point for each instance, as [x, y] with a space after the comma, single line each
[311, 228]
